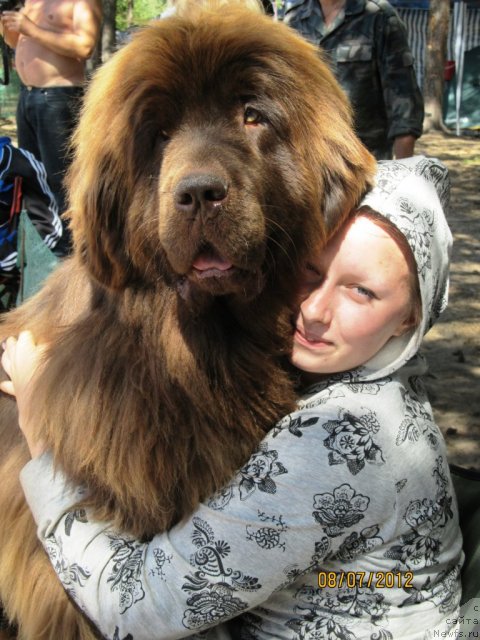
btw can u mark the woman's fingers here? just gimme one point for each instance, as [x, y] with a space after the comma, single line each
[8, 346]
[7, 387]
[20, 359]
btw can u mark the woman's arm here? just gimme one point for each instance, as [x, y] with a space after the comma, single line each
[228, 557]
[209, 568]
[250, 539]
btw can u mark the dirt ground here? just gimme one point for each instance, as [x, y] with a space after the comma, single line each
[453, 345]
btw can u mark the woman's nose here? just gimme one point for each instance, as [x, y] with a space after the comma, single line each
[317, 307]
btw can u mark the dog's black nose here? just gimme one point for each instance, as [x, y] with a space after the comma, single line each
[198, 192]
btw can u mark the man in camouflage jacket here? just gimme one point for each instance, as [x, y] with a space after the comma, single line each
[366, 44]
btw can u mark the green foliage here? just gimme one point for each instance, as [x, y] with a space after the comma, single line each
[143, 11]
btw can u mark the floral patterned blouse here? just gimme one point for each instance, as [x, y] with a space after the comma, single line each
[342, 525]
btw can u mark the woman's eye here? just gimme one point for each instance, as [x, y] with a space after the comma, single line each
[365, 293]
[252, 116]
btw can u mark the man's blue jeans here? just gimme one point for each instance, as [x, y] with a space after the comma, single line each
[45, 121]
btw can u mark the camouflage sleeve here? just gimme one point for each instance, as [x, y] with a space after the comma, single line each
[402, 95]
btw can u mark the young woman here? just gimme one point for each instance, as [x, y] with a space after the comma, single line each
[343, 524]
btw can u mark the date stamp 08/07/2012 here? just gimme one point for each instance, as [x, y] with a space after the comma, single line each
[375, 579]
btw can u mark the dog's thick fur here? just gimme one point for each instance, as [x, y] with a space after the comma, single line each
[212, 153]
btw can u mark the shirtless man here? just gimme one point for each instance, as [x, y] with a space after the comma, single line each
[52, 41]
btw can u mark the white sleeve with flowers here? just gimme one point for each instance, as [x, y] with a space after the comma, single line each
[320, 494]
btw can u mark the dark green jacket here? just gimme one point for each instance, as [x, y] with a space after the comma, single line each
[370, 56]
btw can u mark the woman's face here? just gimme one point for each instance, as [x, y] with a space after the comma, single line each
[355, 296]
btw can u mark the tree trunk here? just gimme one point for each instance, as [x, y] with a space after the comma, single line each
[436, 55]
[130, 13]
[108, 31]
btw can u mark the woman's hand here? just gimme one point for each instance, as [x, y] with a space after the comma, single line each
[21, 359]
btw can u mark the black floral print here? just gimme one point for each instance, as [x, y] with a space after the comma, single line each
[116, 635]
[210, 604]
[293, 571]
[258, 473]
[161, 559]
[382, 634]
[71, 574]
[365, 387]
[339, 510]
[213, 587]
[436, 173]
[268, 537]
[357, 544]
[417, 227]
[333, 387]
[439, 303]
[351, 442]
[79, 515]
[426, 518]
[295, 424]
[321, 549]
[125, 576]
[320, 394]
[418, 421]
[222, 498]
[441, 591]
[312, 627]
[323, 611]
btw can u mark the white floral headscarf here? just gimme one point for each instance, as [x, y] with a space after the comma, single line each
[414, 195]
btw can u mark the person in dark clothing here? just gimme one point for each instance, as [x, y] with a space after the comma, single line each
[23, 186]
[366, 44]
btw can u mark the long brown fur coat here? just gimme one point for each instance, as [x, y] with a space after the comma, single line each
[212, 153]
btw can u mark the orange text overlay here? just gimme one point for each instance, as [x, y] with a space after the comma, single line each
[376, 579]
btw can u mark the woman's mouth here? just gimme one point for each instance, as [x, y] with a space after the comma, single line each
[312, 342]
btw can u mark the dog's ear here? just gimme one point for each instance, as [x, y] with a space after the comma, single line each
[345, 177]
[341, 167]
[108, 179]
[97, 201]
[97, 187]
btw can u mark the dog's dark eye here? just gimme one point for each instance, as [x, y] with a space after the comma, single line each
[252, 116]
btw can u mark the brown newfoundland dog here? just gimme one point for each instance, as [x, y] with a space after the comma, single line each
[213, 151]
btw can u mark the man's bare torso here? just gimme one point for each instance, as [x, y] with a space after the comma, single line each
[36, 64]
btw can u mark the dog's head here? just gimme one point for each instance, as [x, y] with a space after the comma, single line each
[211, 152]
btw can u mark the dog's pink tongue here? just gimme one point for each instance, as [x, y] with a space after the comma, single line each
[204, 263]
